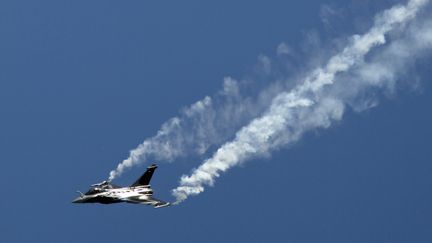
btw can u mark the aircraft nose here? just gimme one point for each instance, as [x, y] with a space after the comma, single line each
[77, 200]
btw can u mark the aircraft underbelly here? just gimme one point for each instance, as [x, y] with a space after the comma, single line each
[103, 200]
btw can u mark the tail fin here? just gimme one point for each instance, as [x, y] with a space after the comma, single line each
[146, 177]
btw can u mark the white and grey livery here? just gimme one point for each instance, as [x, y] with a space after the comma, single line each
[139, 192]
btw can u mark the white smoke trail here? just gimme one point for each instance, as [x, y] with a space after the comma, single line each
[316, 102]
[208, 122]
[191, 132]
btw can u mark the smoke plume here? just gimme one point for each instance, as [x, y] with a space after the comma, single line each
[207, 122]
[349, 78]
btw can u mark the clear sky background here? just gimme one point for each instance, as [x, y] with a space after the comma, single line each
[83, 82]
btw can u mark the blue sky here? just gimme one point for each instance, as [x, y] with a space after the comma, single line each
[82, 83]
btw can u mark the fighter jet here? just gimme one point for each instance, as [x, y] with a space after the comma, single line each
[139, 192]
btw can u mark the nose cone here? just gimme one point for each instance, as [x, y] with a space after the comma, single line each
[78, 200]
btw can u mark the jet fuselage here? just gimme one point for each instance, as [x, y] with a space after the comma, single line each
[139, 193]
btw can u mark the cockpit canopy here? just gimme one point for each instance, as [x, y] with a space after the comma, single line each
[100, 187]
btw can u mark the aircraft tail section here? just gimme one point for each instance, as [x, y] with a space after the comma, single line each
[146, 177]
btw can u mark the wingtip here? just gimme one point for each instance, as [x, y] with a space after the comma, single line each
[162, 205]
[154, 165]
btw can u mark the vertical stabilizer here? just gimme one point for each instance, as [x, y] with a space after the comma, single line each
[146, 177]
